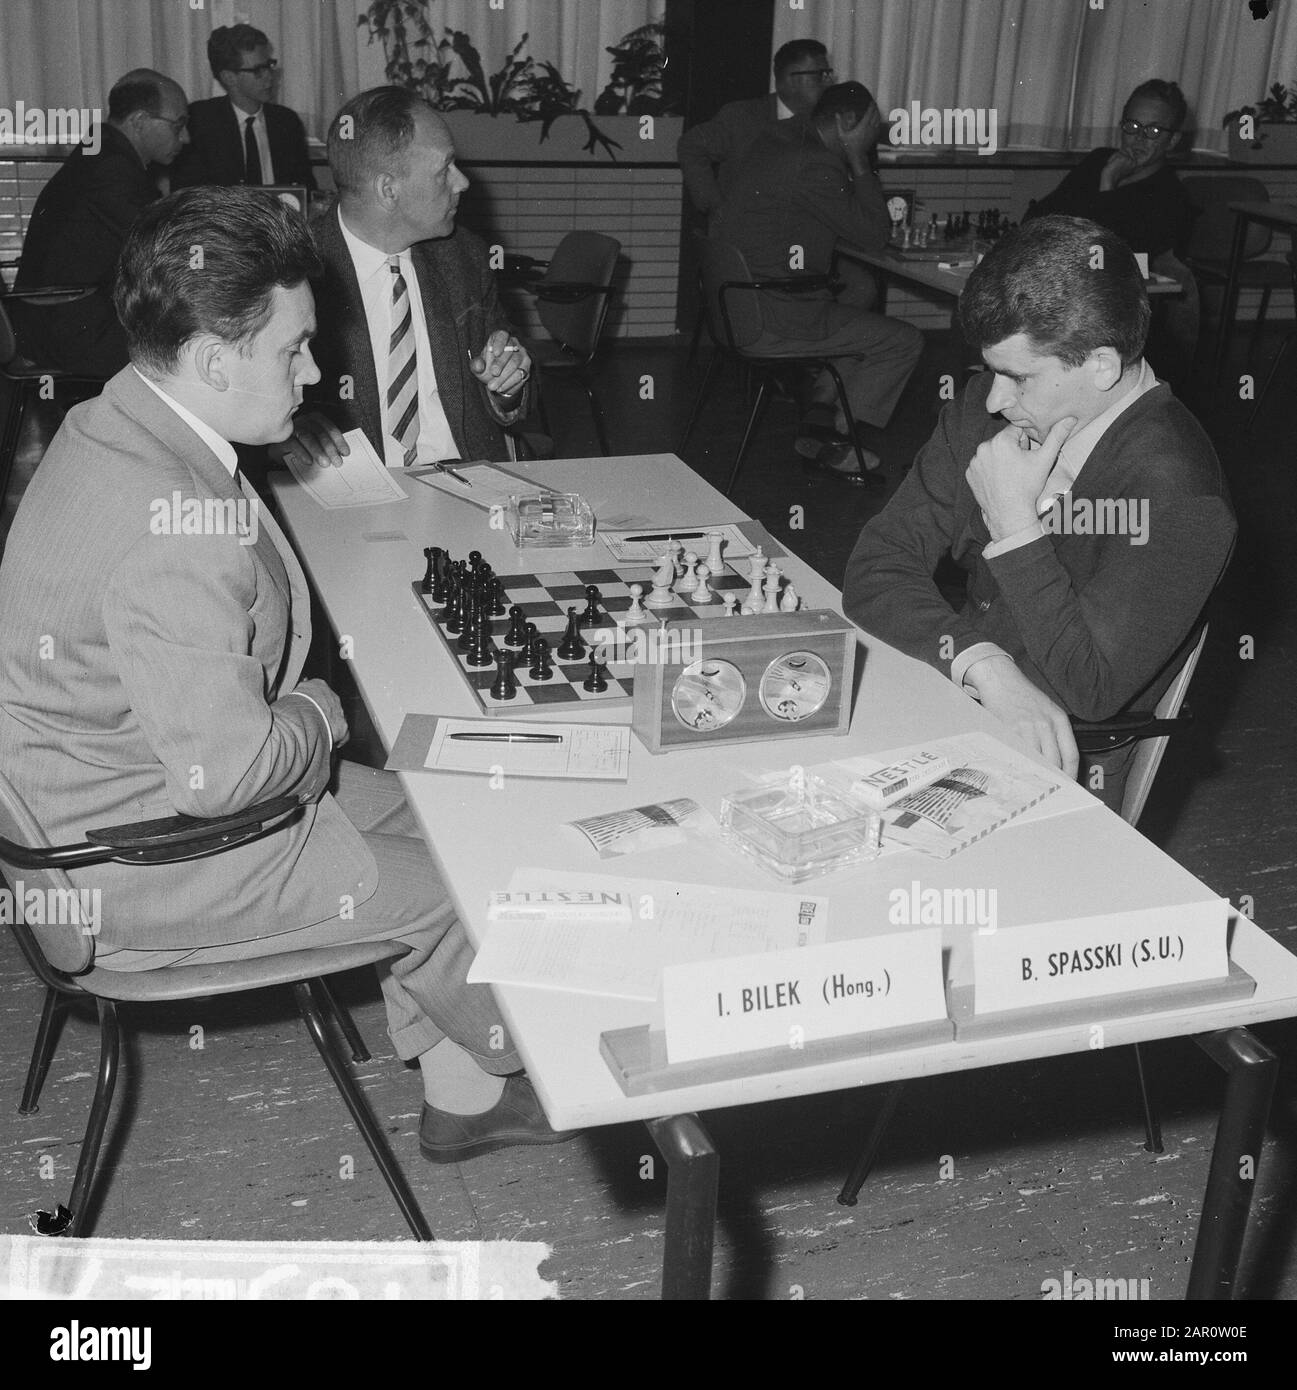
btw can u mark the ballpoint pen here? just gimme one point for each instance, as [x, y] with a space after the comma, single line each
[508, 738]
[670, 536]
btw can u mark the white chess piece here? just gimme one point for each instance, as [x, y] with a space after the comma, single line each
[790, 601]
[714, 561]
[703, 593]
[663, 577]
[772, 590]
[687, 580]
[756, 567]
[635, 614]
[730, 600]
[673, 549]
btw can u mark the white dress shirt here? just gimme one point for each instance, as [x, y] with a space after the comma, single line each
[258, 134]
[435, 440]
[1072, 458]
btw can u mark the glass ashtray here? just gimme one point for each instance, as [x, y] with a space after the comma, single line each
[801, 826]
[554, 520]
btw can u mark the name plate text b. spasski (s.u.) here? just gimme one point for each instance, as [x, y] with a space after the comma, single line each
[717, 1008]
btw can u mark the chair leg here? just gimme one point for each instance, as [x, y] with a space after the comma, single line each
[1259, 321]
[597, 414]
[700, 318]
[856, 1178]
[47, 1037]
[307, 1004]
[747, 435]
[110, 1041]
[1270, 376]
[1152, 1126]
[699, 399]
[846, 415]
[343, 1021]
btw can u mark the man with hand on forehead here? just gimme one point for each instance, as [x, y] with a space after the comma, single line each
[413, 346]
[1057, 623]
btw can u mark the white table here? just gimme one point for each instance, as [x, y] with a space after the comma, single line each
[362, 563]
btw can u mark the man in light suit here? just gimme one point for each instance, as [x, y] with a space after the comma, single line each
[709, 153]
[243, 137]
[153, 629]
[413, 346]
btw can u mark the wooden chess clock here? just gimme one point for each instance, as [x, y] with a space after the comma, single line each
[777, 675]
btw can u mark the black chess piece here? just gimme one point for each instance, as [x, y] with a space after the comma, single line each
[572, 647]
[471, 621]
[453, 616]
[597, 681]
[517, 633]
[482, 650]
[441, 565]
[497, 598]
[505, 685]
[475, 560]
[593, 613]
[541, 667]
[429, 554]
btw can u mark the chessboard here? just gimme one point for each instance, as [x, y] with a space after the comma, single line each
[544, 600]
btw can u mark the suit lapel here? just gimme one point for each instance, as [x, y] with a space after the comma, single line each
[348, 313]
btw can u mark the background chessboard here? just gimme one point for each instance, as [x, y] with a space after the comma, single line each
[545, 599]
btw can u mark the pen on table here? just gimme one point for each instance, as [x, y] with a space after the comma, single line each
[439, 466]
[670, 536]
[508, 738]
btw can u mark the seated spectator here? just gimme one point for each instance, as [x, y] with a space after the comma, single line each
[1062, 619]
[808, 184]
[1132, 191]
[81, 219]
[243, 137]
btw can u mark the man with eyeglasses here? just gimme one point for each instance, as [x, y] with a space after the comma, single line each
[709, 153]
[243, 137]
[1132, 191]
[81, 219]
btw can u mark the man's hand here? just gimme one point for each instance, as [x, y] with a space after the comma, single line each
[1008, 474]
[861, 138]
[323, 696]
[1120, 166]
[1006, 693]
[316, 440]
[503, 365]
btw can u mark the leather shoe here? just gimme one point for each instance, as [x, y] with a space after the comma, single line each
[840, 460]
[516, 1118]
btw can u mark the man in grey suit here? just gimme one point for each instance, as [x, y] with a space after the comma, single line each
[153, 627]
[413, 347]
[709, 153]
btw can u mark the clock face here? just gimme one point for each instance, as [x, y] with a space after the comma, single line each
[707, 694]
[896, 209]
[795, 686]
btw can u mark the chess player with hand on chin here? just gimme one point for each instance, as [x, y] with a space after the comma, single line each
[177, 680]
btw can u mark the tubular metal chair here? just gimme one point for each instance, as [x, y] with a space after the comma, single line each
[732, 303]
[24, 378]
[63, 958]
[572, 298]
[1207, 253]
[1152, 731]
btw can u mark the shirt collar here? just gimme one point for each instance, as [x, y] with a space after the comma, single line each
[241, 115]
[783, 112]
[367, 259]
[222, 448]
[1079, 446]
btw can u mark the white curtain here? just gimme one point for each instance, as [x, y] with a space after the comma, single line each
[1056, 72]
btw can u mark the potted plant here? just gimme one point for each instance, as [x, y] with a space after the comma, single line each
[1267, 132]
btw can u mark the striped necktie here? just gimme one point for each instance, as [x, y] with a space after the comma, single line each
[402, 379]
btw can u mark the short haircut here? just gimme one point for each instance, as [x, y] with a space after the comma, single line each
[141, 89]
[227, 43]
[372, 134]
[843, 98]
[1168, 93]
[249, 242]
[795, 51]
[1068, 284]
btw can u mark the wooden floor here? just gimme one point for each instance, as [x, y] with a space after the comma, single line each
[989, 1184]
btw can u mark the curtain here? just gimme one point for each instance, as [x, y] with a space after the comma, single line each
[1056, 72]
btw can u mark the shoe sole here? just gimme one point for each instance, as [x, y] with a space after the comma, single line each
[461, 1153]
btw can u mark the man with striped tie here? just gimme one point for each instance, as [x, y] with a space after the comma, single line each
[413, 345]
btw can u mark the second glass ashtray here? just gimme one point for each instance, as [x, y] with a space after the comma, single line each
[801, 826]
[550, 519]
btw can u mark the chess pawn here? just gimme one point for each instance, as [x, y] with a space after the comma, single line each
[731, 602]
[790, 601]
[703, 593]
[635, 614]
[687, 580]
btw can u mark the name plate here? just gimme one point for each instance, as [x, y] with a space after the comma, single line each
[716, 1008]
[1054, 962]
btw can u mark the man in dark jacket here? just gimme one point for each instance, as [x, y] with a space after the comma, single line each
[1084, 503]
[81, 219]
[243, 137]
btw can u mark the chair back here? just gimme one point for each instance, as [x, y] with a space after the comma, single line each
[583, 258]
[1148, 752]
[733, 315]
[67, 942]
[1213, 229]
[8, 339]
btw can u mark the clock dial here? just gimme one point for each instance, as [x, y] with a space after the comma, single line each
[708, 694]
[795, 686]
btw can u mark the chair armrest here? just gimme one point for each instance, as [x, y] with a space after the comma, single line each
[521, 271]
[1103, 735]
[566, 291]
[52, 294]
[801, 284]
[153, 841]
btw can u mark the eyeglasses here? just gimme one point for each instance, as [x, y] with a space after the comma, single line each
[177, 123]
[1154, 132]
[261, 69]
[823, 74]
